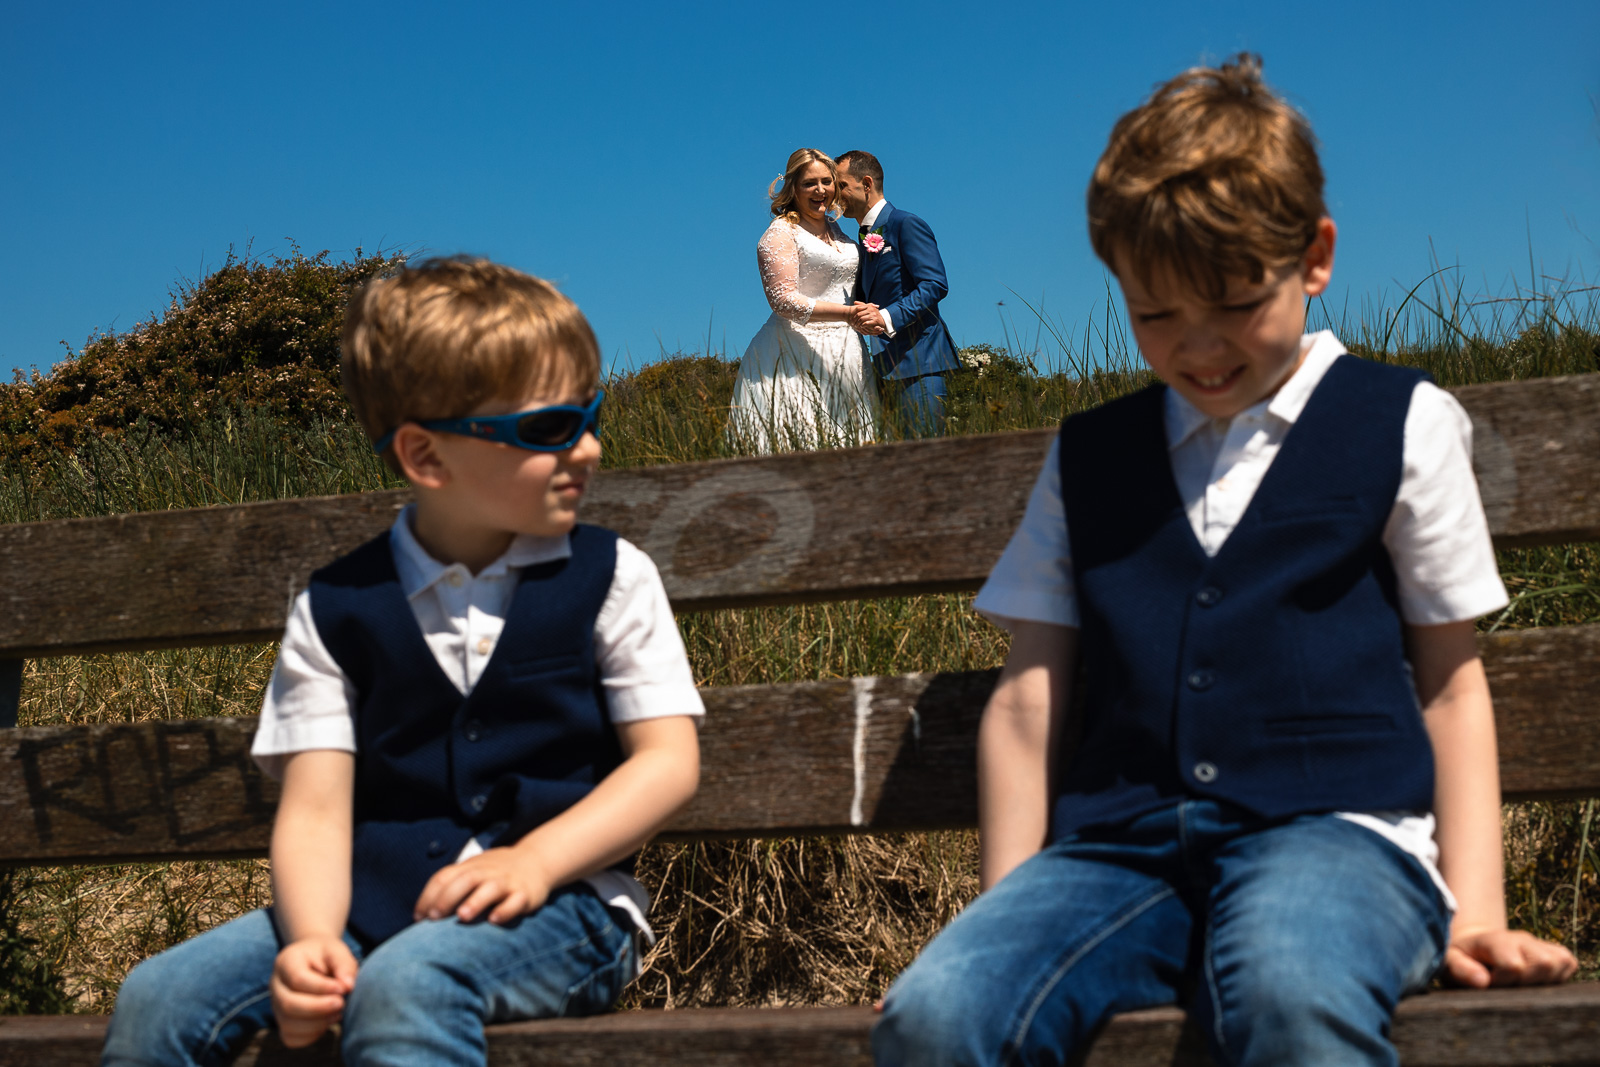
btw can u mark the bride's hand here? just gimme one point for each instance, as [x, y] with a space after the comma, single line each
[866, 318]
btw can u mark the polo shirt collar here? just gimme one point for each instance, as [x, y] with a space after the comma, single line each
[419, 571]
[1184, 420]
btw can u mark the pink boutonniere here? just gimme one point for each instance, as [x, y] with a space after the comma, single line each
[874, 243]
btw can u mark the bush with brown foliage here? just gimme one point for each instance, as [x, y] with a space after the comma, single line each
[252, 333]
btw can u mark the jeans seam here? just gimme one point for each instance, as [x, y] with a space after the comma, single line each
[1216, 993]
[1023, 1024]
[619, 958]
[590, 937]
[522, 960]
[231, 1014]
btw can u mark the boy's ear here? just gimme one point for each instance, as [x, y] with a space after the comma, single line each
[1316, 267]
[416, 453]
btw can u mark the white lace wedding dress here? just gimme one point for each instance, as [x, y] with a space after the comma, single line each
[804, 384]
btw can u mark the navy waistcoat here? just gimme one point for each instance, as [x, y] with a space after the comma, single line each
[1272, 675]
[435, 768]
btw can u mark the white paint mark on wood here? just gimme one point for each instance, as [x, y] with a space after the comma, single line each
[862, 688]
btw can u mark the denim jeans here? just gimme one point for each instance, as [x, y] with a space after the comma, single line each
[1289, 943]
[421, 998]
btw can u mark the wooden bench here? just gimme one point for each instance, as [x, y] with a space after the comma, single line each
[862, 755]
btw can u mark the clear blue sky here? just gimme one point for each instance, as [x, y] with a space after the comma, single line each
[624, 150]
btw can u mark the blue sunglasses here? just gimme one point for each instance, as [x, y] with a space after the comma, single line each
[552, 429]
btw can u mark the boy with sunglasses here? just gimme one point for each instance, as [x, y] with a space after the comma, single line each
[478, 717]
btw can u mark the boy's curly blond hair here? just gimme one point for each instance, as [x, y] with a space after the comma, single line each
[1213, 177]
[441, 338]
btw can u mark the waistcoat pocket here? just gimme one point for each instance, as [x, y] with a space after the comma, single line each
[528, 668]
[1311, 725]
[1335, 507]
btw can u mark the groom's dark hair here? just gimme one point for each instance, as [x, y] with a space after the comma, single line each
[862, 163]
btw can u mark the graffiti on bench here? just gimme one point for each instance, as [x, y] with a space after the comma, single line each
[186, 782]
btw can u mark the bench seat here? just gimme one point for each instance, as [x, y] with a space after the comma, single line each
[1545, 1027]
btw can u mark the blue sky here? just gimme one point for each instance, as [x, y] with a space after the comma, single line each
[623, 150]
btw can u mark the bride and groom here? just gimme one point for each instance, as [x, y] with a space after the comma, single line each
[845, 315]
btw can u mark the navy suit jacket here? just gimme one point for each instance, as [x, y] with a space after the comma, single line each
[907, 280]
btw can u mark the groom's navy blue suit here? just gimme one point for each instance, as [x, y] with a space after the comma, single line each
[907, 280]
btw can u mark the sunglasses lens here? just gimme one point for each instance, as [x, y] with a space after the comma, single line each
[550, 428]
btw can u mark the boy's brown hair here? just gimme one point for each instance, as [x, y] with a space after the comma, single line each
[1214, 177]
[440, 338]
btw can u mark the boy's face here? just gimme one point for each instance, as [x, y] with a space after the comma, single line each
[1226, 356]
[488, 488]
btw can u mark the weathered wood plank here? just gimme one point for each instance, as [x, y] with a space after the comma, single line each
[901, 518]
[1536, 450]
[918, 516]
[865, 754]
[1546, 689]
[1548, 1027]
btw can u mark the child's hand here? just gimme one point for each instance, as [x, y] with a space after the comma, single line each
[1506, 957]
[310, 979]
[507, 880]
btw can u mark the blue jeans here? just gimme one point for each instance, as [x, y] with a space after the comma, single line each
[421, 998]
[1289, 943]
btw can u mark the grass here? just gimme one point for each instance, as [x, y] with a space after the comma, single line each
[790, 921]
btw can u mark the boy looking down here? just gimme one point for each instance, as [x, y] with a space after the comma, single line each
[478, 717]
[1278, 803]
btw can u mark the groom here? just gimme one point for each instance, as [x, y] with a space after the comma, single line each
[898, 290]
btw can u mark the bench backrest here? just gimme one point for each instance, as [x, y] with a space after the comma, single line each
[889, 753]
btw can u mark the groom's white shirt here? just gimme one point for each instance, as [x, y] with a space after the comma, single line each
[866, 224]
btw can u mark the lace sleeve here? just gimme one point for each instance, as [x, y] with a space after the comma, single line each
[779, 259]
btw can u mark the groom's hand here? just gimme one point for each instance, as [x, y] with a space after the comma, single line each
[866, 318]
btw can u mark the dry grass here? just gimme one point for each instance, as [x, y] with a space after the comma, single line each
[810, 921]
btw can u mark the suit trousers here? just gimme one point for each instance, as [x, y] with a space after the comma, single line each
[922, 403]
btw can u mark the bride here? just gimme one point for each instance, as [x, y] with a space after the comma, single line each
[806, 380]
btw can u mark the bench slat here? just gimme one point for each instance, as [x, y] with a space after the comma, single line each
[912, 517]
[879, 754]
[1555, 1027]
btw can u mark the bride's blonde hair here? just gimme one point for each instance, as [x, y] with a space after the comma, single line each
[783, 190]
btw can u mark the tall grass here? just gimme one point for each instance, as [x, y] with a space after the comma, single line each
[792, 921]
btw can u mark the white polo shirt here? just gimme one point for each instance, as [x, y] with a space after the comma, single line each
[1437, 536]
[643, 667]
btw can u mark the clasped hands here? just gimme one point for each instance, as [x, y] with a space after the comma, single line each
[865, 318]
[313, 975]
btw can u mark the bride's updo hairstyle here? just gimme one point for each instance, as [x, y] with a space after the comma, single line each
[784, 190]
[1214, 177]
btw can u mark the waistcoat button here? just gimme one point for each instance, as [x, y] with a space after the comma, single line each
[1208, 596]
[435, 848]
[474, 729]
[1201, 680]
[479, 801]
[1205, 772]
